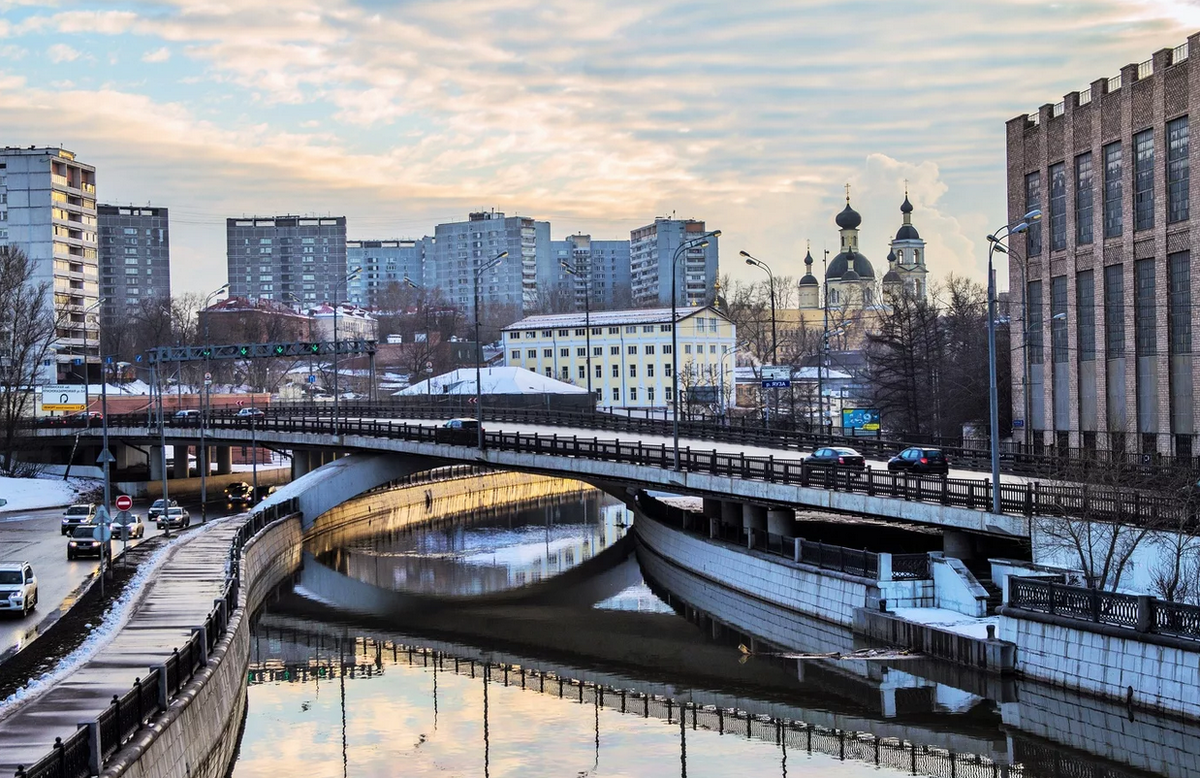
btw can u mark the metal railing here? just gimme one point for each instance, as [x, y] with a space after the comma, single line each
[1138, 613]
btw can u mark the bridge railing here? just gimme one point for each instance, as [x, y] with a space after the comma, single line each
[1085, 501]
[1138, 613]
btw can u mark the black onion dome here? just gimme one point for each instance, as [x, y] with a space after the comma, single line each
[892, 256]
[809, 280]
[847, 261]
[891, 277]
[850, 275]
[906, 206]
[907, 232]
[848, 219]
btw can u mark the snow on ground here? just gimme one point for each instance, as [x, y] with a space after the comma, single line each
[950, 621]
[24, 494]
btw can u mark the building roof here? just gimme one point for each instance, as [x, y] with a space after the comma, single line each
[841, 263]
[907, 232]
[495, 380]
[603, 318]
[849, 218]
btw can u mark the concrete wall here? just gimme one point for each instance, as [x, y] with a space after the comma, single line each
[272, 476]
[198, 735]
[1147, 672]
[955, 588]
[993, 656]
[825, 594]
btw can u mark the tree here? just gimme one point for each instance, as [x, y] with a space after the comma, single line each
[28, 327]
[904, 358]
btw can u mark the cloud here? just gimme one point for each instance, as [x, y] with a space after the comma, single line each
[61, 52]
[158, 55]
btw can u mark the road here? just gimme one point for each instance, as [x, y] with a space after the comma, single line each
[35, 536]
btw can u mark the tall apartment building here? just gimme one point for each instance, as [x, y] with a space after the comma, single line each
[383, 262]
[651, 253]
[1105, 285]
[286, 257]
[602, 272]
[48, 209]
[135, 259]
[459, 248]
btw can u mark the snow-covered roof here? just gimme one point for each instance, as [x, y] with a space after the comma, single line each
[495, 380]
[602, 318]
[749, 374]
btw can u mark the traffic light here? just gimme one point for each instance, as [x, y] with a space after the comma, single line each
[206, 352]
[244, 351]
[280, 349]
[313, 348]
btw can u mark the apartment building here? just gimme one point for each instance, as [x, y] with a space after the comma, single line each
[287, 258]
[135, 259]
[1105, 285]
[651, 254]
[630, 363]
[48, 209]
[601, 273]
[383, 262]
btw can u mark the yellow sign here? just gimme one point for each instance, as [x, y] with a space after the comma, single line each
[64, 397]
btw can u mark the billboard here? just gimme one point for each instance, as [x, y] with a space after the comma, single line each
[866, 419]
[64, 397]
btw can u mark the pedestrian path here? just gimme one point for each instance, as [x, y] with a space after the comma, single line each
[175, 599]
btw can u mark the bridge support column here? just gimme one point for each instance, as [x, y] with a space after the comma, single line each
[156, 473]
[712, 508]
[299, 463]
[957, 544]
[180, 468]
[781, 521]
[224, 456]
[754, 521]
[731, 513]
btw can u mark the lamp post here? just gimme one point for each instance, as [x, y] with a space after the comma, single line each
[698, 242]
[300, 310]
[721, 389]
[755, 262]
[87, 379]
[202, 454]
[340, 283]
[479, 271]
[587, 319]
[411, 284]
[824, 352]
[1023, 265]
[995, 239]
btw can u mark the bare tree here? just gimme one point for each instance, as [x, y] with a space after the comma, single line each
[28, 326]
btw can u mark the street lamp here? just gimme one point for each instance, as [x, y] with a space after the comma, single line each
[1023, 265]
[353, 274]
[411, 284]
[87, 378]
[755, 262]
[994, 240]
[587, 320]
[205, 393]
[479, 271]
[721, 367]
[698, 242]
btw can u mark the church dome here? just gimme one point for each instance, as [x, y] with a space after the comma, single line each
[906, 206]
[850, 275]
[809, 280]
[849, 261]
[892, 257]
[891, 277]
[907, 232]
[848, 219]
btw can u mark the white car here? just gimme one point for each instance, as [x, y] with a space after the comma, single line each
[18, 587]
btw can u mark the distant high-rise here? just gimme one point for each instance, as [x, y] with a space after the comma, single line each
[48, 209]
[602, 271]
[135, 259]
[383, 262]
[459, 248]
[651, 252]
[286, 257]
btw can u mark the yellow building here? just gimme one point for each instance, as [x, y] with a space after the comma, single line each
[630, 363]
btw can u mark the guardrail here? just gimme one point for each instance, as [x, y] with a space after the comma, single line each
[1138, 613]
[1090, 502]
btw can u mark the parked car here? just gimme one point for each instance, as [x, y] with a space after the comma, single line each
[920, 460]
[83, 542]
[83, 513]
[251, 413]
[837, 456]
[187, 417]
[86, 417]
[176, 518]
[264, 492]
[239, 493]
[464, 432]
[18, 587]
[157, 508]
[136, 528]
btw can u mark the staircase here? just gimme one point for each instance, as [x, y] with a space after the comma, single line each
[982, 570]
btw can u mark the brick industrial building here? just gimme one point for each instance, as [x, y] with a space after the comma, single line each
[1104, 287]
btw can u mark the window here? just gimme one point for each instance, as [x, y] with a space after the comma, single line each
[1033, 199]
[614, 330]
[616, 371]
[649, 350]
[531, 353]
[1058, 207]
[667, 373]
[563, 333]
[1179, 302]
[581, 351]
[666, 349]
[687, 349]
[712, 348]
[614, 351]
[597, 330]
[650, 370]
[564, 352]
[633, 394]
[516, 354]
[1085, 315]
[1113, 194]
[631, 349]
[646, 328]
[1058, 319]
[581, 332]
[1177, 170]
[583, 371]
[1145, 333]
[1033, 314]
[566, 372]
[1143, 180]
[599, 371]
[631, 329]
[670, 393]
[616, 395]
[549, 373]
[548, 353]
[633, 371]
[1114, 314]
[547, 333]
[650, 394]
[1083, 198]
[664, 328]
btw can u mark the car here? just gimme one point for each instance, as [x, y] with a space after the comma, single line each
[251, 413]
[837, 456]
[18, 587]
[176, 518]
[136, 528]
[158, 506]
[83, 542]
[459, 431]
[919, 459]
[239, 493]
[187, 417]
[83, 513]
[264, 492]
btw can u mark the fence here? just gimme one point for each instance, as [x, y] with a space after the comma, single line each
[1139, 613]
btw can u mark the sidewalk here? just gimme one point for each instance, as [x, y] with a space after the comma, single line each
[178, 597]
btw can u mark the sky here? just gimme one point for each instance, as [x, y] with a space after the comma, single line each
[595, 115]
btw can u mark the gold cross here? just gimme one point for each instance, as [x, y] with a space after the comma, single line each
[847, 193]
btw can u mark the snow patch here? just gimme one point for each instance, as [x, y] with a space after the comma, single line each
[950, 621]
[26, 494]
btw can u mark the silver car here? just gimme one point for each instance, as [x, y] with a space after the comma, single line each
[18, 587]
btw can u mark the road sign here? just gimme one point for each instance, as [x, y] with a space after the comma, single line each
[105, 456]
[77, 361]
[64, 397]
[1018, 423]
[124, 502]
[102, 532]
[312, 379]
[208, 379]
[776, 373]
[776, 383]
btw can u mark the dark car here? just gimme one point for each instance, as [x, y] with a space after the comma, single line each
[239, 493]
[157, 508]
[175, 518]
[920, 460]
[462, 432]
[264, 492]
[837, 456]
[83, 542]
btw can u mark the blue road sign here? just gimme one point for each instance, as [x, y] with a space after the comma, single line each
[312, 379]
[776, 383]
[1018, 423]
[77, 360]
